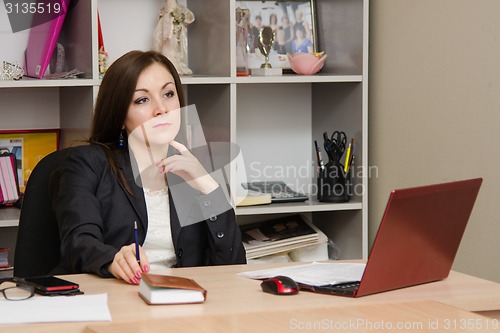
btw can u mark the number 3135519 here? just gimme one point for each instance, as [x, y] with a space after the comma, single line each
[470, 324]
[32, 8]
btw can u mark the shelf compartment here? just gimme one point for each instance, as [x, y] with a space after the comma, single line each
[9, 217]
[302, 207]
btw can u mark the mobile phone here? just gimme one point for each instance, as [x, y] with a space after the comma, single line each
[50, 284]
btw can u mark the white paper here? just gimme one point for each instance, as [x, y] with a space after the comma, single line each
[45, 309]
[314, 274]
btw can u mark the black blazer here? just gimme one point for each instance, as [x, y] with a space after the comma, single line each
[96, 215]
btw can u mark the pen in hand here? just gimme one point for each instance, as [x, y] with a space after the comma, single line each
[137, 254]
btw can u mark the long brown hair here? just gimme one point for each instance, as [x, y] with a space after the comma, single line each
[114, 98]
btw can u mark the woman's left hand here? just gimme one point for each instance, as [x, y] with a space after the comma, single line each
[187, 166]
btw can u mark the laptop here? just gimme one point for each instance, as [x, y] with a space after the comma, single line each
[417, 240]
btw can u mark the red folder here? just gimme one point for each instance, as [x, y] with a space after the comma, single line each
[42, 41]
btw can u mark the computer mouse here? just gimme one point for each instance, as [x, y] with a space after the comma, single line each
[280, 285]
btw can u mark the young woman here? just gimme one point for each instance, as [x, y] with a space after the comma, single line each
[98, 198]
[273, 21]
[301, 43]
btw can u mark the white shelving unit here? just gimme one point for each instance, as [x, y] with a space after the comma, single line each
[274, 120]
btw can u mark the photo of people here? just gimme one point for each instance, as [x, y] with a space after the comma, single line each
[292, 23]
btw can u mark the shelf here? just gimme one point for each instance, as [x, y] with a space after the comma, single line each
[202, 79]
[9, 217]
[6, 272]
[34, 83]
[293, 78]
[285, 78]
[302, 207]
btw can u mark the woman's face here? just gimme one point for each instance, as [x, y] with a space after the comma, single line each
[280, 36]
[273, 19]
[299, 33]
[155, 104]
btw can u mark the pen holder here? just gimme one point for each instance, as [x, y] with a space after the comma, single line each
[334, 184]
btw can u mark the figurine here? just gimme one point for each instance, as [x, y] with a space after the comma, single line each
[170, 35]
[242, 47]
[103, 62]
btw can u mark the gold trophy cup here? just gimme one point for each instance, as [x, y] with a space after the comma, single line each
[266, 40]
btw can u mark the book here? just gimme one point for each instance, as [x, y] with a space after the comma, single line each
[4, 257]
[9, 187]
[253, 198]
[279, 235]
[42, 40]
[167, 289]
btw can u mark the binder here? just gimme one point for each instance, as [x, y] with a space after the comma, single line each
[42, 41]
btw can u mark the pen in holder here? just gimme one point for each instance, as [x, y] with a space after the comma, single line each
[333, 184]
[334, 179]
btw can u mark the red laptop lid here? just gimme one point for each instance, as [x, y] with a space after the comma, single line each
[419, 235]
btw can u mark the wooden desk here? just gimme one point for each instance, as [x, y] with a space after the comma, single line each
[423, 316]
[229, 294]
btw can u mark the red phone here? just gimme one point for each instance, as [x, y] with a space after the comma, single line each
[50, 284]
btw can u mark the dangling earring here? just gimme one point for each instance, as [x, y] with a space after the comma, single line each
[121, 139]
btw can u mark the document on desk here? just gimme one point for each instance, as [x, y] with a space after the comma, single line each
[45, 309]
[314, 274]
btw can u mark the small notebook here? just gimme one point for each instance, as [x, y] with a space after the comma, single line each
[166, 289]
[42, 41]
[253, 198]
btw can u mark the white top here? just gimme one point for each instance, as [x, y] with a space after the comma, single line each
[158, 245]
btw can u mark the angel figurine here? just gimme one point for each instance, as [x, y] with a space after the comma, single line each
[170, 35]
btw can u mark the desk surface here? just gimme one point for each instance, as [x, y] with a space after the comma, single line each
[423, 316]
[229, 294]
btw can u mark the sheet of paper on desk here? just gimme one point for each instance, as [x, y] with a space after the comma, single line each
[314, 274]
[44, 309]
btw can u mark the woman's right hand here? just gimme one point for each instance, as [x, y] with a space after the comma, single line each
[125, 266]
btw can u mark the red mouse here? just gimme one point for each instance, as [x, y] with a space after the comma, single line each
[280, 285]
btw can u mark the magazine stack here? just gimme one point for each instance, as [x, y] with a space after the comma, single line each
[281, 235]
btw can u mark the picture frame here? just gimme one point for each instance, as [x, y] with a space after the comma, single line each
[285, 17]
[29, 147]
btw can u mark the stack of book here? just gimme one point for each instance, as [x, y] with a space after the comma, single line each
[279, 236]
[9, 188]
[4, 257]
[5, 267]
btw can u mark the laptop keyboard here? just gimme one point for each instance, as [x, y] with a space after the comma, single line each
[348, 288]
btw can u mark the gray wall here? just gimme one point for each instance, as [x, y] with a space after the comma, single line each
[434, 108]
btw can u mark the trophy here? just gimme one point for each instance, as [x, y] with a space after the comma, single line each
[266, 39]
